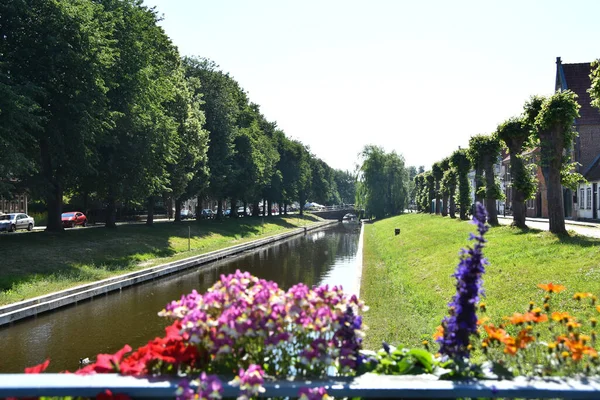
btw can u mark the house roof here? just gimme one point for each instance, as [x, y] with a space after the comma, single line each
[592, 173]
[576, 77]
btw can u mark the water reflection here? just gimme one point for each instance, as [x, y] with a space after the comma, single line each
[106, 323]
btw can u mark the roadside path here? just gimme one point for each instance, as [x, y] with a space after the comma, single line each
[581, 227]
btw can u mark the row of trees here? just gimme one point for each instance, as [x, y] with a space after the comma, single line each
[545, 127]
[95, 101]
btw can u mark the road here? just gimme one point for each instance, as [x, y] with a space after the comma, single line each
[584, 229]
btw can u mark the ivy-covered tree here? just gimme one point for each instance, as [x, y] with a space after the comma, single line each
[460, 162]
[444, 189]
[438, 173]
[475, 157]
[484, 151]
[419, 184]
[515, 133]
[430, 187]
[449, 181]
[554, 128]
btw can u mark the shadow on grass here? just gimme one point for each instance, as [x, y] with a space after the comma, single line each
[83, 255]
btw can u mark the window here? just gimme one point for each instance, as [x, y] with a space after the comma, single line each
[581, 198]
[588, 203]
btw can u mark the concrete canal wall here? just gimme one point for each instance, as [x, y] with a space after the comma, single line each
[28, 308]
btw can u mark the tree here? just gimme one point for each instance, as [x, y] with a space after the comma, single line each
[419, 183]
[554, 128]
[475, 158]
[438, 173]
[383, 182]
[515, 133]
[61, 51]
[444, 186]
[449, 189]
[346, 186]
[189, 168]
[430, 190]
[412, 172]
[222, 98]
[484, 151]
[460, 162]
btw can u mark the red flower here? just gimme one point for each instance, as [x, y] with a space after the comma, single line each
[38, 368]
[107, 395]
[106, 363]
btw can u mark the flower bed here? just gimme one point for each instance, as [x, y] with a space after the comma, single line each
[254, 333]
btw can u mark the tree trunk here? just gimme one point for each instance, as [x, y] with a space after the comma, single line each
[490, 201]
[255, 209]
[270, 210]
[234, 213]
[220, 209]
[177, 216]
[54, 201]
[430, 209]
[245, 208]
[519, 208]
[445, 205]
[264, 207]
[551, 152]
[437, 197]
[150, 217]
[452, 210]
[478, 184]
[111, 211]
[285, 208]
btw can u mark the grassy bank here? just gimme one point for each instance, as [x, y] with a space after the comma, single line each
[407, 279]
[38, 263]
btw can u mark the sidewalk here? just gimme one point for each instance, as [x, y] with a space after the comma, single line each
[567, 221]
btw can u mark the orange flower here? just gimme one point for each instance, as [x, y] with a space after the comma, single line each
[483, 320]
[561, 316]
[439, 333]
[581, 295]
[494, 333]
[512, 345]
[516, 319]
[578, 348]
[551, 288]
[536, 316]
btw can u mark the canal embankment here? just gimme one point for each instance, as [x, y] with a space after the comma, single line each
[324, 255]
[47, 302]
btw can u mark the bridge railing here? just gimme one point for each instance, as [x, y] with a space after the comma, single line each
[365, 386]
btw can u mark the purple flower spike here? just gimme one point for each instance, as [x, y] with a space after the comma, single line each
[462, 322]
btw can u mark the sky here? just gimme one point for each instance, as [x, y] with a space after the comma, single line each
[415, 77]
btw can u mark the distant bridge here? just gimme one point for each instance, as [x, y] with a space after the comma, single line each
[335, 212]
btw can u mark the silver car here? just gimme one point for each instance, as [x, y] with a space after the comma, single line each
[12, 222]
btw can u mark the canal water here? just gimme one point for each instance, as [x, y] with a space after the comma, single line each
[106, 323]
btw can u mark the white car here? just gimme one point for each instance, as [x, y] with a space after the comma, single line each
[14, 221]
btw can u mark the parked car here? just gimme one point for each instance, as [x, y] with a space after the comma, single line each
[14, 221]
[73, 218]
[186, 214]
[207, 213]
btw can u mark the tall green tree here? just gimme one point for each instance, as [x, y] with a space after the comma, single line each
[554, 128]
[460, 162]
[61, 51]
[222, 99]
[346, 185]
[515, 133]
[449, 182]
[444, 185]
[438, 173]
[595, 88]
[484, 151]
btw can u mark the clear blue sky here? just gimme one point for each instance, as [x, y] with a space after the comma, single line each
[417, 77]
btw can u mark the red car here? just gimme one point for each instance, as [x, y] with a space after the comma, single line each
[73, 218]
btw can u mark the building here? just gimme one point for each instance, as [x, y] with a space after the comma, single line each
[17, 204]
[585, 204]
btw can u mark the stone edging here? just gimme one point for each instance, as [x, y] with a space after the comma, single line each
[359, 259]
[37, 305]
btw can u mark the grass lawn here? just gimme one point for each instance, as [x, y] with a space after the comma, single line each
[407, 280]
[34, 264]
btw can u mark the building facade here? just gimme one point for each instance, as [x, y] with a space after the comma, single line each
[585, 203]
